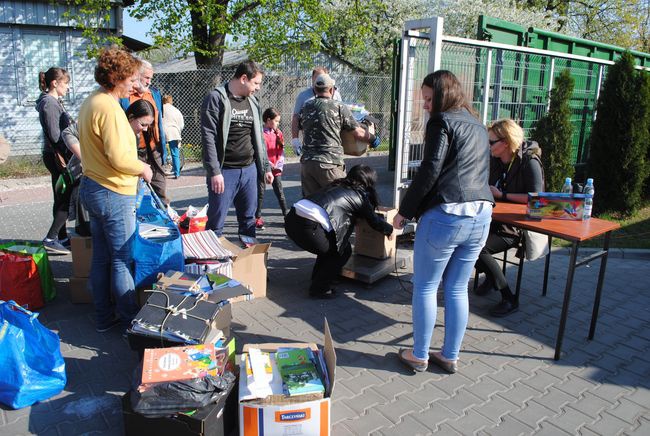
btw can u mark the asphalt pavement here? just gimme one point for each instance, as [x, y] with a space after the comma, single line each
[507, 382]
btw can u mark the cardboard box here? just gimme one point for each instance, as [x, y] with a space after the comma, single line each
[352, 146]
[82, 254]
[274, 416]
[249, 266]
[80, 292]
[371, 243]
[218, 419]
[555, 205]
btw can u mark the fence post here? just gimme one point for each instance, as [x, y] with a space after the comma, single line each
[550, 84]
[486, 86]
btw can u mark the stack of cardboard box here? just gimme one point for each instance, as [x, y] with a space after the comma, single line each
[82, 254]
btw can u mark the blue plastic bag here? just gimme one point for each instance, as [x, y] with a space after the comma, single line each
[156, 255]
[30, 358]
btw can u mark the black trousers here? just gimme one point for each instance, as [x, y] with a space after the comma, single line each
[277, 189]
[310, 236]
[61, 205]
[487, 264]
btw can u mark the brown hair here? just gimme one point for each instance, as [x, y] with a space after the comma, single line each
[508, 131]
[167, 99]
[46, 78]
[115, 65]
[447, 92]
[249, 69]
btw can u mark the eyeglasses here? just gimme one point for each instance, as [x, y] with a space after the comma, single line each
[495, 141]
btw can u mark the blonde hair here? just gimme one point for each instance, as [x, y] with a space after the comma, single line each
[509, 131]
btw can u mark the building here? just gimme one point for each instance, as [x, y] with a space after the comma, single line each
[34, 36]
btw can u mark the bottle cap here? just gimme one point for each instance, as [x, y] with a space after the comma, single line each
[567, 180]
[590, 181]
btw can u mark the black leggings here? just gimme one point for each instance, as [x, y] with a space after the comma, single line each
[487, 264]
[61, 201]
[279, 194]
[311, 236]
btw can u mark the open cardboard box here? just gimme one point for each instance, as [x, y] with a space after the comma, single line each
[280, 415]
[249, 266]
[371, 243]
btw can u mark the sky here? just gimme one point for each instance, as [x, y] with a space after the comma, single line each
[137, 29]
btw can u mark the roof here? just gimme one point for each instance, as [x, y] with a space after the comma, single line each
[134, 44]
[230, 58]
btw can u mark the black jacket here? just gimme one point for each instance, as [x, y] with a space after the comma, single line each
[343, 205]
[455, 165]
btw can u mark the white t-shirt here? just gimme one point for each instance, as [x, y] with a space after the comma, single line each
[310, 210]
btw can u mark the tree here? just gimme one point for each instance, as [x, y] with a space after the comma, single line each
[619, 139]
[554, 131]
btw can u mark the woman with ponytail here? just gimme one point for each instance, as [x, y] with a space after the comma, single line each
[54, 84]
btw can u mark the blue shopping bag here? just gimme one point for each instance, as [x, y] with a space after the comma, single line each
[30, 358]
[155, 254]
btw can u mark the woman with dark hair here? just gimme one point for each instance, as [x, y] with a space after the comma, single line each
[108, 188]
[452, 201]
[54, 84]
[322, 224]
[141, 115]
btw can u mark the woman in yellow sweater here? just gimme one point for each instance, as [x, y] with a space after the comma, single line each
[108, 188]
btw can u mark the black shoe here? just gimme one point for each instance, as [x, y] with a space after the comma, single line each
[325, 295]
[484, 288]
[504, 308]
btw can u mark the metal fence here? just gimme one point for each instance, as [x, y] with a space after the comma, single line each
[279, 91]
[502, 81]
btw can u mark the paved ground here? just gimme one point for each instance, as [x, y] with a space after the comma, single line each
[507, 382]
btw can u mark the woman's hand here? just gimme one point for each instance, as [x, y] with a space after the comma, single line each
[398, 222]
[496, 193]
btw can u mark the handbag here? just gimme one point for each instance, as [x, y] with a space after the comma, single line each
[19, 280]
[33, 368]
[535, 244]
[153, 255]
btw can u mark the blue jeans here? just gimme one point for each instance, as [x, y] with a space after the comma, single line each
[446, 248]
[112, 223]
[240, 188]
[176, 161]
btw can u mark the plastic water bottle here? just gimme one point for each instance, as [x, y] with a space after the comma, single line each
[589, 201]
[567, 188]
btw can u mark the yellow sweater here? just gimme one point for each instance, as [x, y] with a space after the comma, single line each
[108, 151]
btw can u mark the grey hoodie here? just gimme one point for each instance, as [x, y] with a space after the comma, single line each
[54, 119]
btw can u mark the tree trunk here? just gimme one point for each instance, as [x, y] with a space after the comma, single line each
[206, 39]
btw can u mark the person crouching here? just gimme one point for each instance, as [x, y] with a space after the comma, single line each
[323, 222]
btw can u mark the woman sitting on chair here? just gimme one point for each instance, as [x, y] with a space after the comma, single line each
[515, 170]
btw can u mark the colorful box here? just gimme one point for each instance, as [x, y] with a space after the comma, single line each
[273, 416]
[556, 205]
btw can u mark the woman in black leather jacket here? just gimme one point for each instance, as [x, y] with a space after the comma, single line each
[322, 224]
[515, 170]
[452, 201]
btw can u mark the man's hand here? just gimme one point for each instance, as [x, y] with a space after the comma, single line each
[297, 146]
[147, 173]
[398, 222]
[268, 178]
[216, 184]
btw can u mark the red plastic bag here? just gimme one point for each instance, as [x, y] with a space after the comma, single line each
[194, 220]
[20, 280]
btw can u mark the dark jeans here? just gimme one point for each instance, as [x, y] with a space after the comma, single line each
[61, 201]
[279, 194]
[240, 188]
[487, 264]
[312, 237]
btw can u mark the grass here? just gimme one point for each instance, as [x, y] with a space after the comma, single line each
[634, 231]
[20, 167]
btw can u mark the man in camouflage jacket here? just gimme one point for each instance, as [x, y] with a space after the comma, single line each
[322, 121]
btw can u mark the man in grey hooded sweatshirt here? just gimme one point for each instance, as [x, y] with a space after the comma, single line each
[234, 151]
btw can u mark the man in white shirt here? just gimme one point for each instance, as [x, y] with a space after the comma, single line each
[304, 96]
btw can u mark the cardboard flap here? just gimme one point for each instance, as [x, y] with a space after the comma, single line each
[330, 356]
[243, 252]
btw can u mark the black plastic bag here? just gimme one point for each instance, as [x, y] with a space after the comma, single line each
[166, 399]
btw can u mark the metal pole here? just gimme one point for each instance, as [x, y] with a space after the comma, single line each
[401, 117]
[486, 87]
[550, 84]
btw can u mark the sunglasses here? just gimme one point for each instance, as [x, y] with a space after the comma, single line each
[495, 141]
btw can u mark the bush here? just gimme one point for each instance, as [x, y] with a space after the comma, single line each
[619, 139]
[554, 131]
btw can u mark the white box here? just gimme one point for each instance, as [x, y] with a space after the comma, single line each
[291, 416]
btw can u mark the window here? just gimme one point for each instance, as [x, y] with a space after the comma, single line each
[41, 51]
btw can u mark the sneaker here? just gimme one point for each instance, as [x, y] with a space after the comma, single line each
[109, 325]
[54, 246]
[65, 242]
[259, 223]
